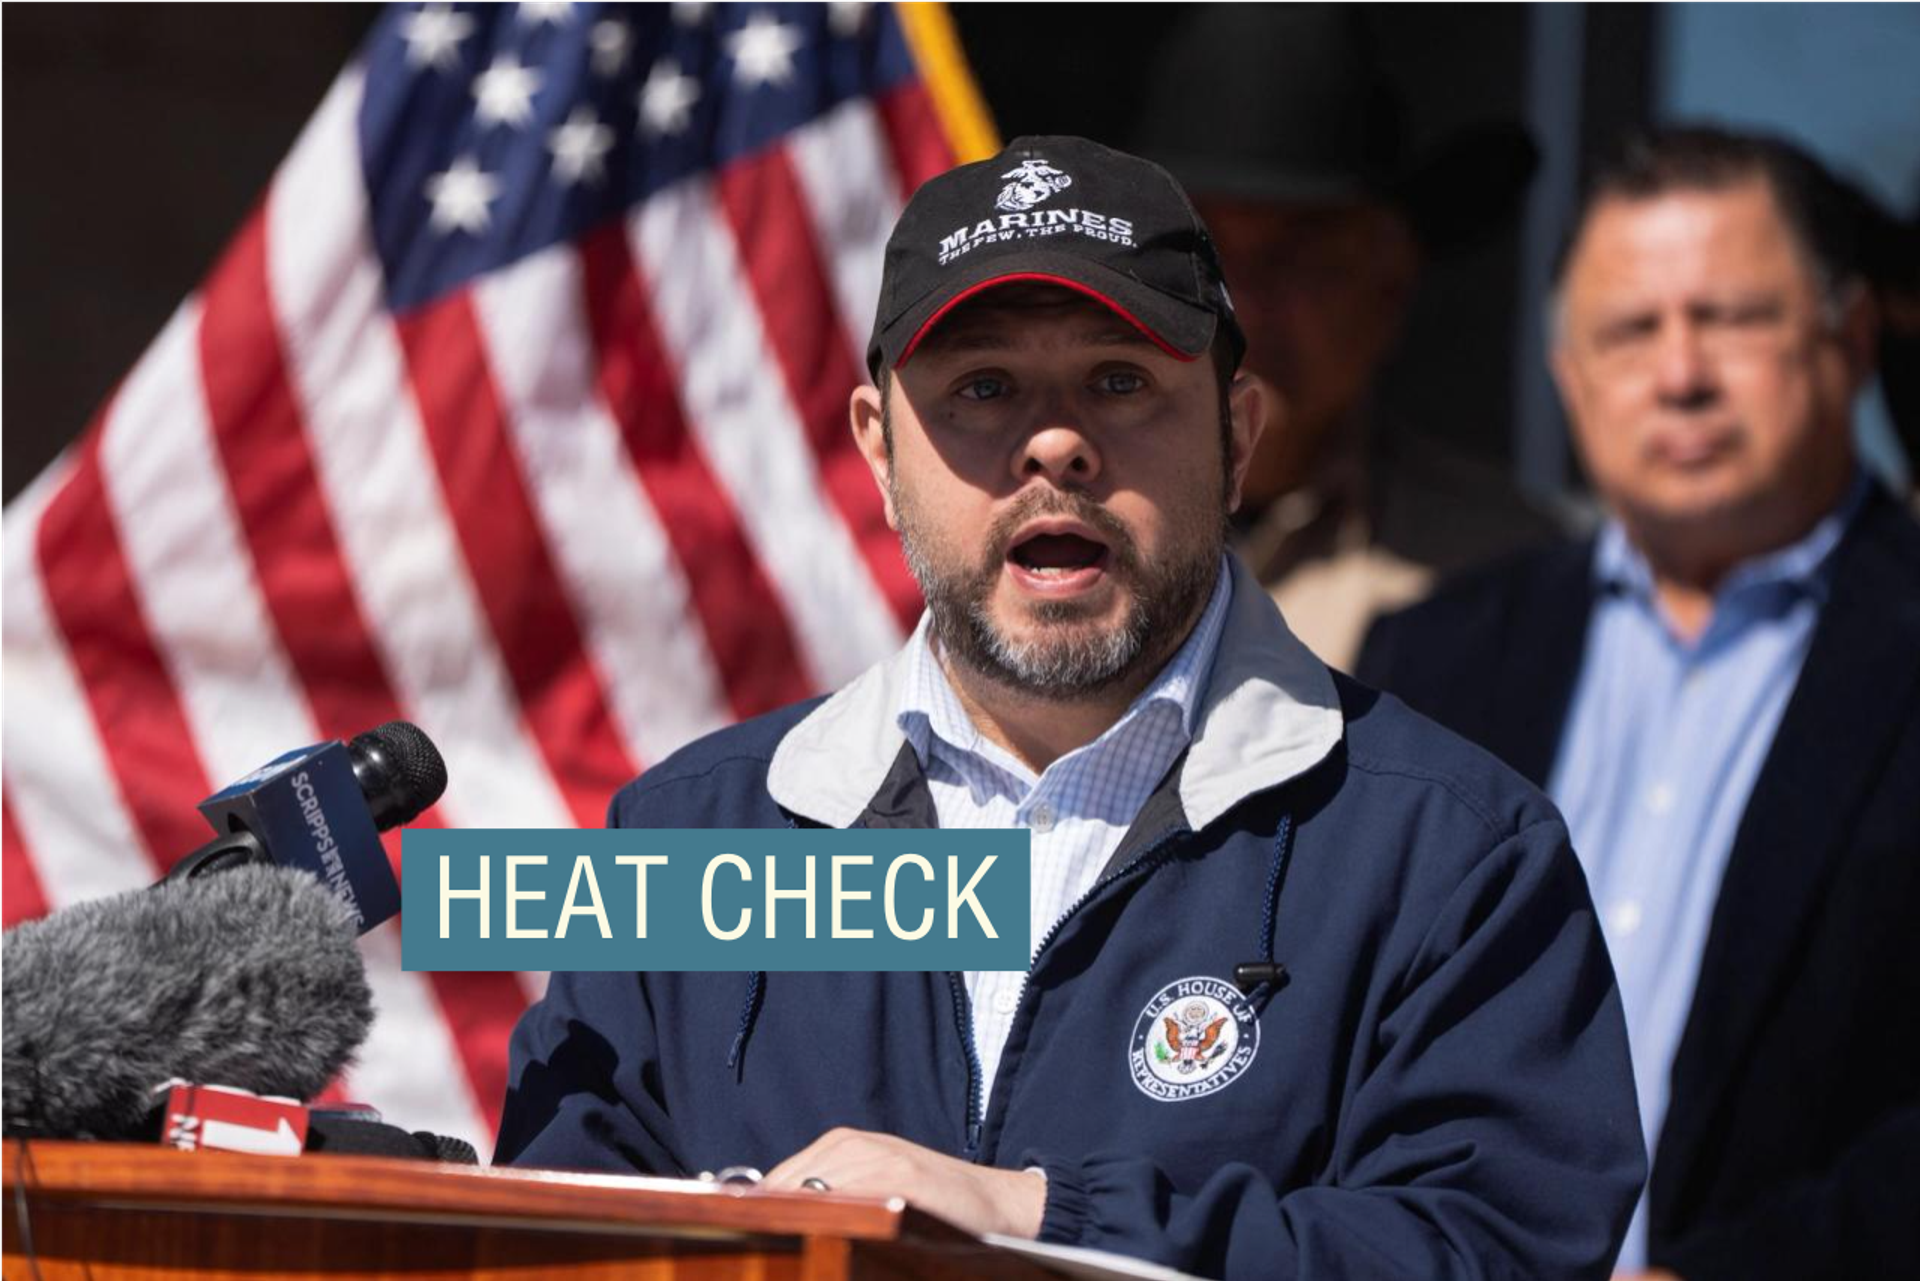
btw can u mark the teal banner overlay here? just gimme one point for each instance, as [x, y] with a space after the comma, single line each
[667, 899]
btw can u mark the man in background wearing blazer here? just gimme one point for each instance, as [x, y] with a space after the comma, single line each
[1722, 692]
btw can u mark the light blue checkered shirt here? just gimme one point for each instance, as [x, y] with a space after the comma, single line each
[1077, 810]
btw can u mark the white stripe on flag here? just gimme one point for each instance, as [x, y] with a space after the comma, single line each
[534, 984]
[626, 586]
[190, 567]
[376, 470]
[732, 391]
[842, 162]
[62, 788]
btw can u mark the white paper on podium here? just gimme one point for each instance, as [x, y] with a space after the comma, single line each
[1094, 1265]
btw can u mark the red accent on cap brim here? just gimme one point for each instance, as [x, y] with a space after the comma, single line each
[927, 326]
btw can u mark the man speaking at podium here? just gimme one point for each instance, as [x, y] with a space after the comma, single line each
[1316, 988]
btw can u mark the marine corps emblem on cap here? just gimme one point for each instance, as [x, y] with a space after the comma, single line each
[1033, 182]
[1062, 211]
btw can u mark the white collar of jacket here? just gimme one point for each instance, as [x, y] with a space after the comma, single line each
[1271, 713]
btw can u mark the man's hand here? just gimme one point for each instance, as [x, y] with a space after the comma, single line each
[978, 1198]
[1652, 1274]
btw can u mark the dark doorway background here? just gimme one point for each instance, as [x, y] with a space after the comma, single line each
[136, 139]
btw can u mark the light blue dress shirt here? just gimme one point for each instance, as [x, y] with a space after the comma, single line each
[1077, 810]
[1657, 760]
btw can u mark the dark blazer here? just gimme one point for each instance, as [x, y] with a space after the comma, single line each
[1792, 1141]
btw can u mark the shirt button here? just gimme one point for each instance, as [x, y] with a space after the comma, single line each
[1041, 820]
[1623, 918]
[1660, 798]
[1006, 1001]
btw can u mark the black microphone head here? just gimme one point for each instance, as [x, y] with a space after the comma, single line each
[249, 979]
[400, 771]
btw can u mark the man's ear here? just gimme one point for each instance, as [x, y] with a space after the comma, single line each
[1860, 335]
[1566, 379]
[1249, 400]
[1573, 384]
[866, 414]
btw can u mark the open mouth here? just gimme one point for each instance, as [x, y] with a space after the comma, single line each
[1056, 558]
[1691, 451]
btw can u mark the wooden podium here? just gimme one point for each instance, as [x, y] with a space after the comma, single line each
[126, 1210]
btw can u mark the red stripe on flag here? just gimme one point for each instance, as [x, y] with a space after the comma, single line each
[261, 435]
[20, 888]
[914, 137]
[560, 691]
[765, 203]
[138, 713]
[746, 627]
[260, 432]
[481, 1009]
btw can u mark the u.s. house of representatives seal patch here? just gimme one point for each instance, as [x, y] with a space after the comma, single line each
[1195, 1036]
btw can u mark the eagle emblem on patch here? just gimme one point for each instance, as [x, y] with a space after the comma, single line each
[1193, 1039]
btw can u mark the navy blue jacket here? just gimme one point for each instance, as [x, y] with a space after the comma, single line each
[1440, 1086]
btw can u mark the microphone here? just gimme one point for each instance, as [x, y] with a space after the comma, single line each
[322, 808]
[250, 979]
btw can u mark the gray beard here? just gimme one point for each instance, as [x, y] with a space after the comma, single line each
[1071, 657]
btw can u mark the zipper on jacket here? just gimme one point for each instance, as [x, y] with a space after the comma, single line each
[963, 1016]
[1155, 854]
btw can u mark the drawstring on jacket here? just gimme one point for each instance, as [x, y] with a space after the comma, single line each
[749, 1011]
[1262, 978]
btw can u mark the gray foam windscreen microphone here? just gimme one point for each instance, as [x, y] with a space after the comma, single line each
[250, 978]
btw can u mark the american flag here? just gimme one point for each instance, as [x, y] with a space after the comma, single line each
[517, 408]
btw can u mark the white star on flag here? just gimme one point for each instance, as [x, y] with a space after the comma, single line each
[556, 12]
[433, 36]
[763, 51]
[846, 17]
[611, 40]
[690, 15]
[461, 196]
[580, 147]
[666, 100]
[505, 92]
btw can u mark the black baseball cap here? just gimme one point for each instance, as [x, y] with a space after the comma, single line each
[1056, 210]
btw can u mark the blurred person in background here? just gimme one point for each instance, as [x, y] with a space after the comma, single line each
[1279, 121]
[1722, 692]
